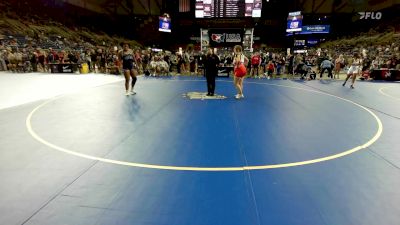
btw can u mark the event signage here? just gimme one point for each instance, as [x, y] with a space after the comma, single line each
[67, 68]
[315, 29]
[62, 68]
[370, 15]
[226, 37]
[312, 42]
[299, 42]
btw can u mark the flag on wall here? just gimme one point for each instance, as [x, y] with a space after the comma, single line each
[184, 5]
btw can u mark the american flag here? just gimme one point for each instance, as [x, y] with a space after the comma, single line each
[184, 5]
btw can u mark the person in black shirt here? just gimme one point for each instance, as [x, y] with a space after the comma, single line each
[211, 69]
[180, 63]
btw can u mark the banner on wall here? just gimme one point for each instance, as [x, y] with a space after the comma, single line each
[225, 37]
[315, 29]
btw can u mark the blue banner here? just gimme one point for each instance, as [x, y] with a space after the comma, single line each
[312, 42]
[315, 29]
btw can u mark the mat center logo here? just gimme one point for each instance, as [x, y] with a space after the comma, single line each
[202, 96]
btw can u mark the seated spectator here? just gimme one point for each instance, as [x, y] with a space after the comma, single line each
[375, 63]
[163, 66]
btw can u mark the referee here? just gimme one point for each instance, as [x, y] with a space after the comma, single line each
[211, 69]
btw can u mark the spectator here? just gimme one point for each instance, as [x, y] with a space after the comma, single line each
[270, 68]
[339, 65]
[3, 65]
[255, 64]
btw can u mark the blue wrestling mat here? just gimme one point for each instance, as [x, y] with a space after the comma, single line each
[289, 153]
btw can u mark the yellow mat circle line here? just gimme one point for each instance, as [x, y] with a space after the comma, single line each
[387, 95]
[213, 169]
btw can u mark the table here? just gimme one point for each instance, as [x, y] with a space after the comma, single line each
[385, 74]
[224, 71]
[63, 68]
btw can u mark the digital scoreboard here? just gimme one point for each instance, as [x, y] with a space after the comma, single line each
[228, 8]
[294, 22]
[164, 24]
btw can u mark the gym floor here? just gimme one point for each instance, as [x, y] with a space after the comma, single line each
[289, 153]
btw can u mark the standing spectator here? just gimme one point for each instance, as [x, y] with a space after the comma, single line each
[101, 60]
[393, 62]
[192, 64]
[25, 60]
[3, 65]
[72, 58]
[270, 69]
[88, 60]
[298, 61]
[138, 58]
[180, 63]
[50, 56]
[41, 60]
[153, 66]
[11, 60]
[164, 66]
[18, 58]
[263, 64]
[167, 60]
[93, 57]
[34, 61]
[291, 65]
[255, 64]
[339, 64]
[186, 62]
[279, 65]
[61, 56]
[145, 62]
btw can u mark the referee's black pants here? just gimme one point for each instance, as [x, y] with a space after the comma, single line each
[329, 72]
[210, 83]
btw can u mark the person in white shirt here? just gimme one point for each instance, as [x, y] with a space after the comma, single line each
[153, 66]
[163, 66]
